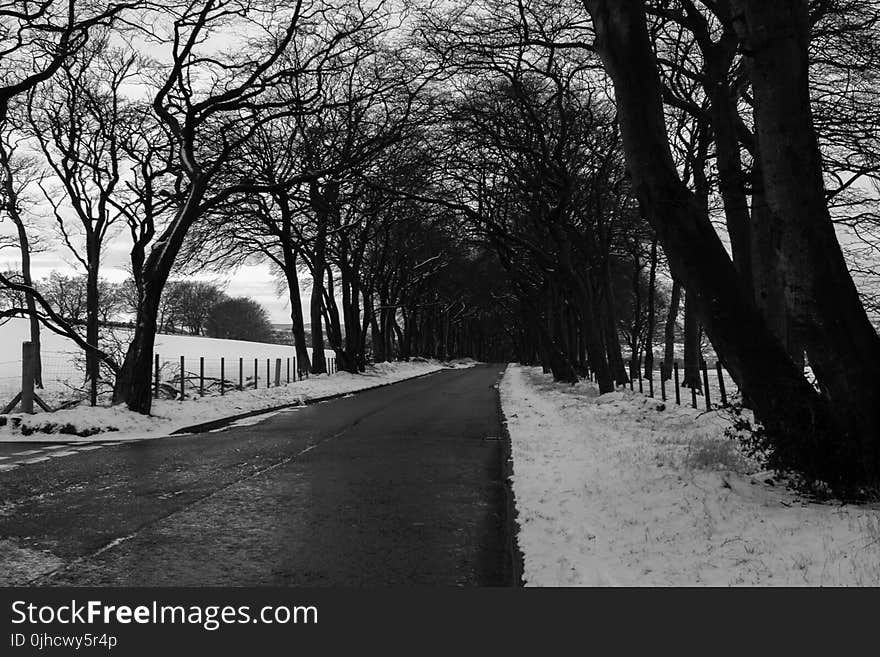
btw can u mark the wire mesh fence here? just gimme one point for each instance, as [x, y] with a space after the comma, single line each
[184, 377]
[61, 380]
[716, 390]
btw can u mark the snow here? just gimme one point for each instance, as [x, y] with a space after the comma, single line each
[620, 489]
[63, 367]
[118, 423]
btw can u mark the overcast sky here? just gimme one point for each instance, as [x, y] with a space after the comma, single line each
[251, 281]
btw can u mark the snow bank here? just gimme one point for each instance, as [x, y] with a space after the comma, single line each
[83, 421]
[621, 489]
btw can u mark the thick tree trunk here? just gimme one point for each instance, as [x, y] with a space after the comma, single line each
[669, 329]
[134, 381]
[692, 351]
[842, 346]
[651, 323]
[289, 254]
[636, 328]
[797, 419]
[724, 117]
[93, 363]
[133, 385]
[611, 337]
[768, 276]
[303, 362]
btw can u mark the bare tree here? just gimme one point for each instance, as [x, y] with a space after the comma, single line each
[19, 173]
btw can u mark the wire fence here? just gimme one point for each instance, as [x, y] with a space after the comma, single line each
[63, 380]
[716, 390]
[203, 376]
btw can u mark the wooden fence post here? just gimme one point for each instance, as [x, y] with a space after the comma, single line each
[721, 383]
[288, 370]
[677, 387]
[277, 372]
[222, 376]
[182, 380]
[156, 377]
[256, 372]
[268, 373]
[241, 373]
[201, 376]
[705, 368]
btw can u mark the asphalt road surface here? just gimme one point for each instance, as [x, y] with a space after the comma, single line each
[402, 485]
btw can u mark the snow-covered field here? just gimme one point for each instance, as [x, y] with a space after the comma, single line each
[63, 360]
[169, 415]
[619, 489]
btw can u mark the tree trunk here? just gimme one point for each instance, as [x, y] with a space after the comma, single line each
[319, 265]
[93, 363]
[798, 421]
[842, 345]
[289, 254]
[692, 352]
[24, 247]
[608, 320]
[669, 330]
[134, 381]
[27, 279]
[649, 329]
[768, 276]
[303, 362]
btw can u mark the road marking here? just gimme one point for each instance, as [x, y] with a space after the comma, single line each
[57, 454]
[38, 460]
[110, 444]
[27, 453]
[87, 448]
[56, 446]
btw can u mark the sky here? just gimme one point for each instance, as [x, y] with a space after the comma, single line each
[253, 281]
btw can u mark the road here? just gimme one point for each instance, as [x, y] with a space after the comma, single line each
[401, 485]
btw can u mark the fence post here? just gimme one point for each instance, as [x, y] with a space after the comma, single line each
[182, 380]
[677, 387]
[268, 372]
[288, 370]
[27, 377]
[663, 380]
[222, 376]
[156, 377]
[705, 368]
[201, 376]
[277, 372]
[721, 383]
[256, 372]
[241, 373]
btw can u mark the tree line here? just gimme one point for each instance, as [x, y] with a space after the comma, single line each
[580, 183]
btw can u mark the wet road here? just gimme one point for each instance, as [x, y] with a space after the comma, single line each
[401, 485]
